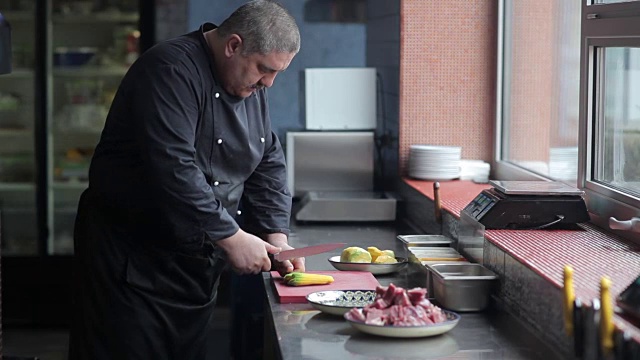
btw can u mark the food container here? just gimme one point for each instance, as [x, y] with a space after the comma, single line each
[462, 287]
[424, 256]
[425, 240]
[79, 56]
[435, 254]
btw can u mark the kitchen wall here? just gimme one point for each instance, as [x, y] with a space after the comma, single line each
[447, 75]
[324, 44]
[436, 65]
[373, 44]
[171, 18]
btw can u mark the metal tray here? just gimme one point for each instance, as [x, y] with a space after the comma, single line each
[435, 254]
[462, 287]
[425, 240]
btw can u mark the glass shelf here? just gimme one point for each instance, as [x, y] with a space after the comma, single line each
[15, 16]
[15, 132]
[115, 17]
[18, 74]
[92, 71]
[70, 185]
[8, 186]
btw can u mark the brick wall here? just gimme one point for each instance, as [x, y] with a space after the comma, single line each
[447, 76]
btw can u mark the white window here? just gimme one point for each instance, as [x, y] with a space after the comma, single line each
[569, 100]
[610, 110]
[539, 90]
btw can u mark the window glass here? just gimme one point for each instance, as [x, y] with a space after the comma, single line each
[617, 162]
[541, 87]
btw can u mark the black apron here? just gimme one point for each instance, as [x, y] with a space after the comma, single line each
[141, 302]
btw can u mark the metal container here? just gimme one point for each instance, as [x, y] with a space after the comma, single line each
[425, 240]
[63, 56]
[462, 287]
[424, 256]
[435, 254]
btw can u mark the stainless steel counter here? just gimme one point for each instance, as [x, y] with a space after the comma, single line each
[298, 331]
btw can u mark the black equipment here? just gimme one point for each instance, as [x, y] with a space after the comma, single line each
[5, 46]
[528, 205]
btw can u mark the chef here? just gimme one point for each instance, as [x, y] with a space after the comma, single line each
[188, 140]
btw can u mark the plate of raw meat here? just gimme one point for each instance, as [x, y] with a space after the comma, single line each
[398, 312]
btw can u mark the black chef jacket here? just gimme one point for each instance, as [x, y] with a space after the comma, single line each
[175, 159]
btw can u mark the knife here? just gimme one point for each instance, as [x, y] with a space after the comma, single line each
[305, 251]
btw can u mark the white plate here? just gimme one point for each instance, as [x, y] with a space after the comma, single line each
[338, 302]
[408, 331]
[375, 269]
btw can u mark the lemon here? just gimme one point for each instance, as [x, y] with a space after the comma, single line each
[385, 259]
[389, 253]
[375, 252]
[355, 254]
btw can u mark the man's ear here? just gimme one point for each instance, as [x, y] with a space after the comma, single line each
[233, 45]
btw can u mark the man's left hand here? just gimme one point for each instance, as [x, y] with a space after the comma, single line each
[286, 266]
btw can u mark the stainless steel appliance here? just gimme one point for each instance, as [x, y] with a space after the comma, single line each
[332, 173]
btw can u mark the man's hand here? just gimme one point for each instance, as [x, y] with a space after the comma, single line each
[287, 266]
[246, 253]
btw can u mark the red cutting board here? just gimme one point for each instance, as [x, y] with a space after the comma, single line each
[342, 280]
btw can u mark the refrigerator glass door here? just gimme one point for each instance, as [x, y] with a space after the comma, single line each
[93, 45]
[18, 229]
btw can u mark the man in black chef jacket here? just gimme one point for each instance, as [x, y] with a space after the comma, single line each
[188, 137]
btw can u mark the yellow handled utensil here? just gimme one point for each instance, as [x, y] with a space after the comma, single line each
[606, 315]
[568, 300]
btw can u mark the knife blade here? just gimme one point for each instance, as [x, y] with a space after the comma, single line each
[306, 251]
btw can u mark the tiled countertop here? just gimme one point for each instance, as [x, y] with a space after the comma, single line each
[592, 253]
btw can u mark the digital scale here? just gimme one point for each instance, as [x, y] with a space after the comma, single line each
[528, 205]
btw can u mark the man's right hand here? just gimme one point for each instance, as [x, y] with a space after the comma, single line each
[246, 253]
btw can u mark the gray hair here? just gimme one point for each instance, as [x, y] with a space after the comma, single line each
[264, 26]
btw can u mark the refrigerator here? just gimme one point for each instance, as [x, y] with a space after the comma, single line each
[68, 58]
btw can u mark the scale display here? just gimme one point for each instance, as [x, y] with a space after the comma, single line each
[528, 205]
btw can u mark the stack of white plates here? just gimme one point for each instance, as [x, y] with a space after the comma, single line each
[431, 162]
[475, 170]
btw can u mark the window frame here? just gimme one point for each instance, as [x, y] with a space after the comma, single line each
[616, 24]
[603, 25]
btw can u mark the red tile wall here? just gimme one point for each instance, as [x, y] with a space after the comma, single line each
[447, 76]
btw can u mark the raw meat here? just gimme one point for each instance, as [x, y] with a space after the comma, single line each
[399, 307]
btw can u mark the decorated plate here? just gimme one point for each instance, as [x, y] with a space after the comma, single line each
[338, 302]
[375, 269]
[407, 331]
